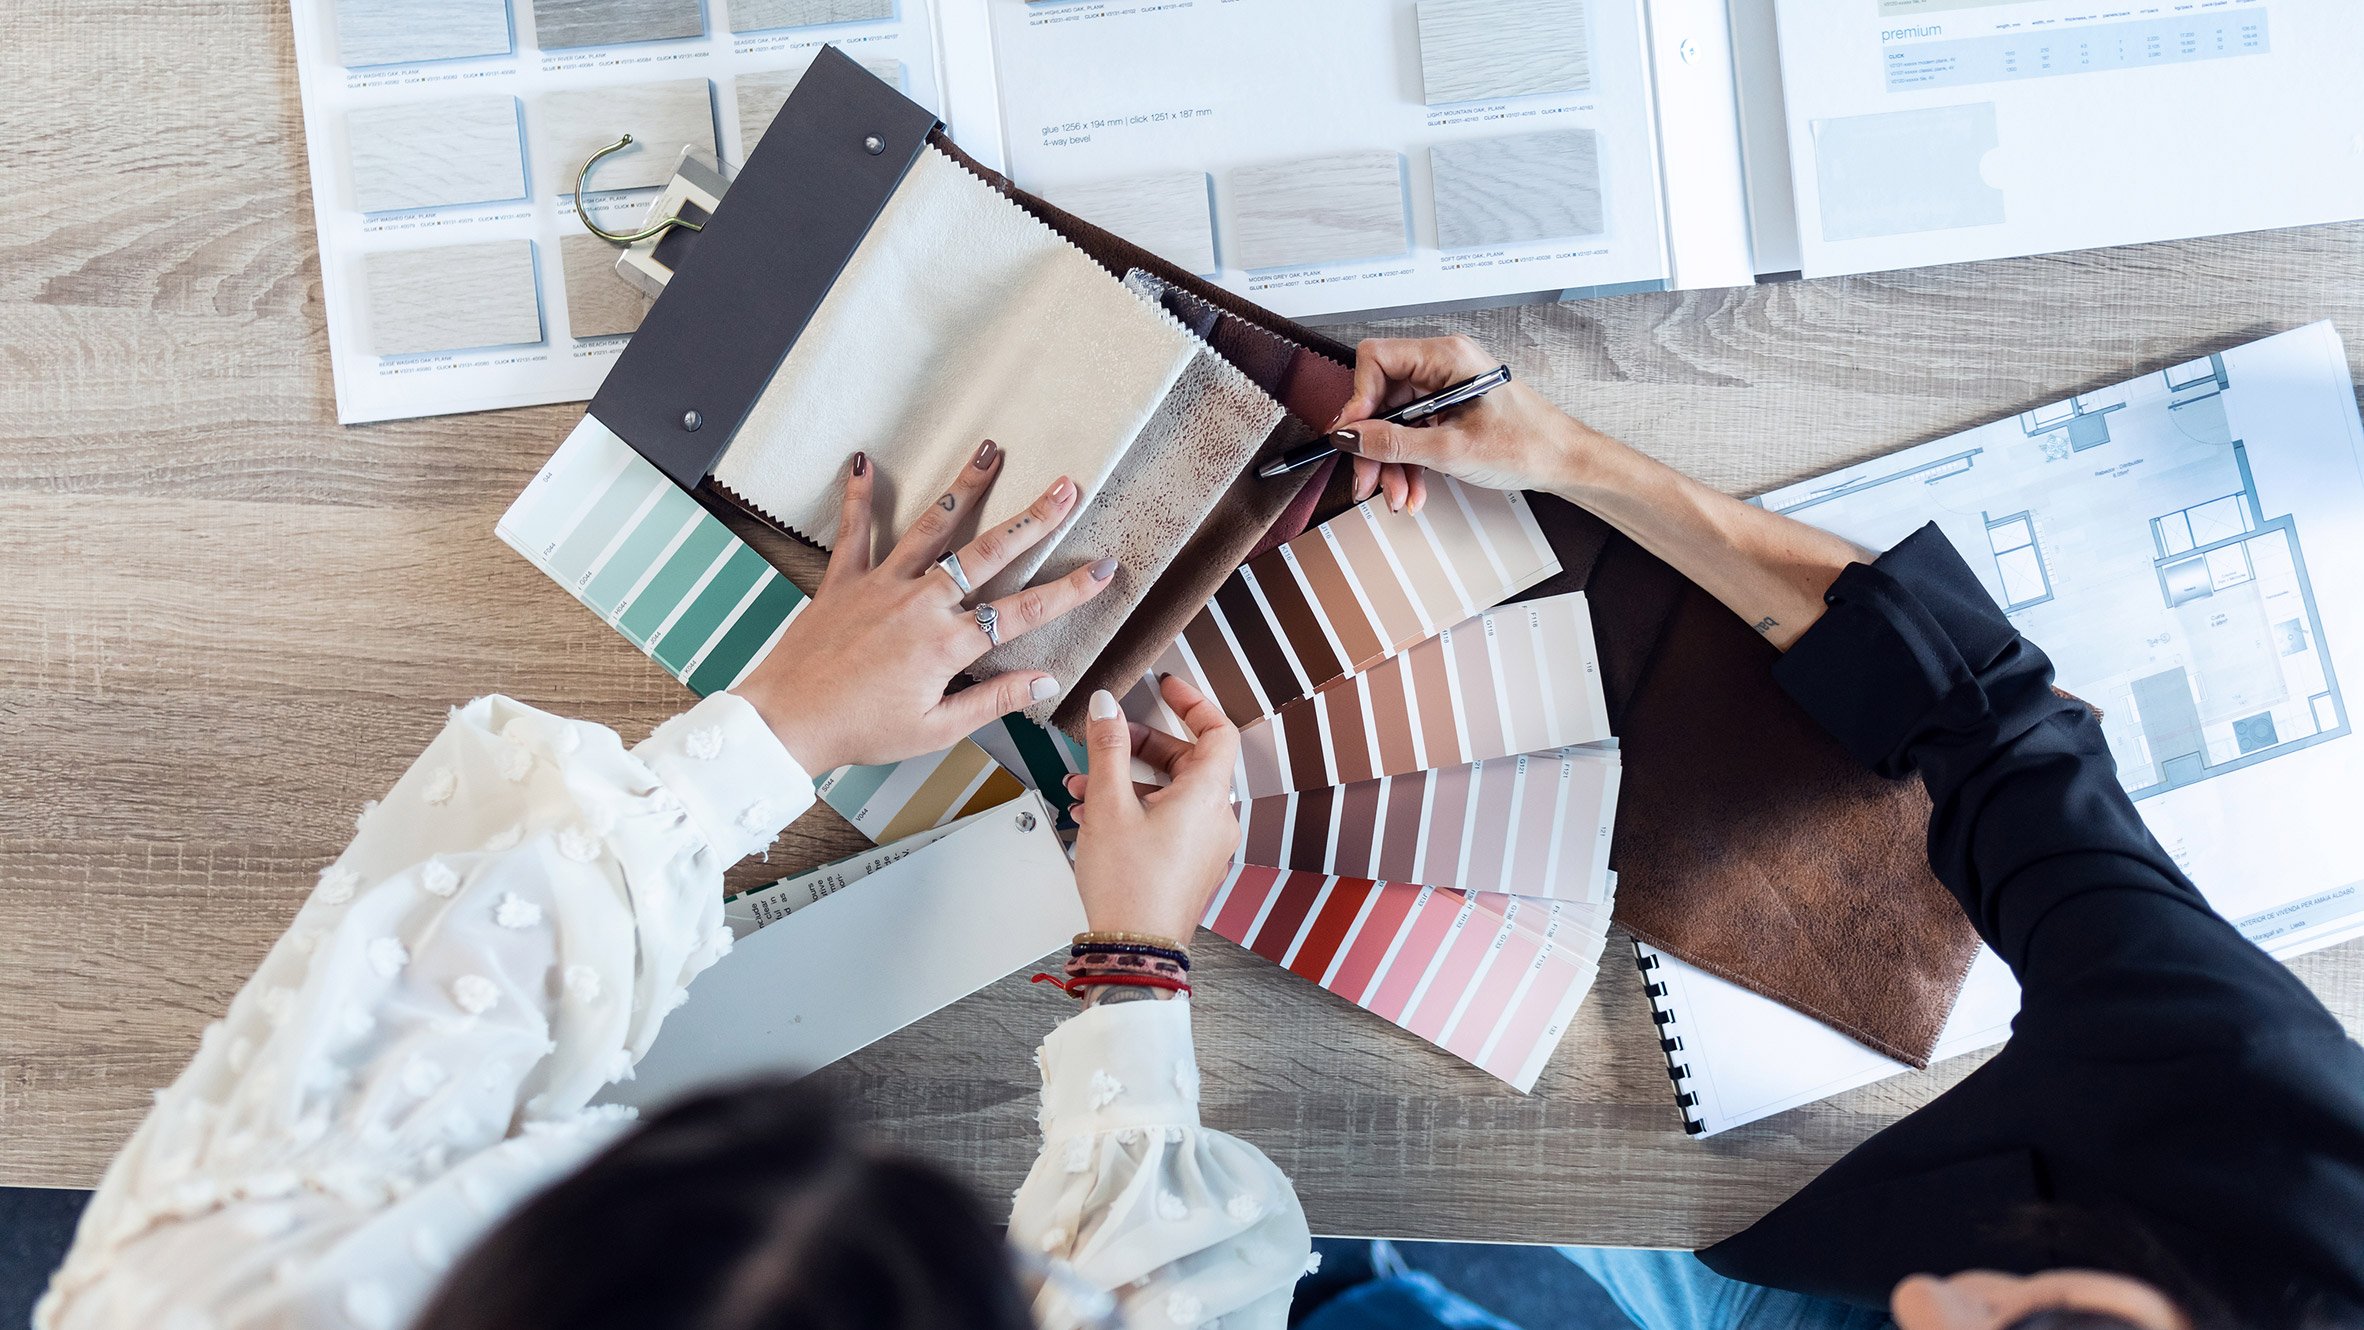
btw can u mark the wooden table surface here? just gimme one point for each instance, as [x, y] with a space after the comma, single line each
[226, 621]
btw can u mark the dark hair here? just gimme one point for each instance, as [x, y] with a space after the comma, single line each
[743, 1210]
[2210, 1296]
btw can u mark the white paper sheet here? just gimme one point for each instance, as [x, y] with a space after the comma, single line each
[857, 964]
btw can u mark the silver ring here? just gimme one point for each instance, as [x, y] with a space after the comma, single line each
[950, 563]
[989, 620]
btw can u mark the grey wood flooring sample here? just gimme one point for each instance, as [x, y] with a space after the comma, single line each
[1509, 191]
[1475, 50]
[435, 153]
[753, 15]
[451, 298]
[760, 96]
[599, 303]
[563, 23]
[1165, 214]
[662, 119]
[1320, 210]
[393, 32]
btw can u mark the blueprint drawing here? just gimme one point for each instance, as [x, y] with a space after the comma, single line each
[2122, 530]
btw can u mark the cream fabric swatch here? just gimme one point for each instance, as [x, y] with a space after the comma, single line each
[1202, 437]
[959, 319]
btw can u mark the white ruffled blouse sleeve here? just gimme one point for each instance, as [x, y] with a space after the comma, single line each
[1184, 1225]
[420, 1050]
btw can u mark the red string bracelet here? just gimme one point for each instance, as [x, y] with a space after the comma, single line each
[1074, 987]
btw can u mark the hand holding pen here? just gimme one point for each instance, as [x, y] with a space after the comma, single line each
[1509, 438]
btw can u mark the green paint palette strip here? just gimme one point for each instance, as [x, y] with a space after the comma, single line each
[669, 576]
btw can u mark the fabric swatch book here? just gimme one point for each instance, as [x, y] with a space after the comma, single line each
[2188, 547]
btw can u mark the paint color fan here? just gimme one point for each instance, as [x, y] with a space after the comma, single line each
[1492, 979]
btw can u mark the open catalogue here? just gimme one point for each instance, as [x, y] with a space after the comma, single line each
[1325, 158]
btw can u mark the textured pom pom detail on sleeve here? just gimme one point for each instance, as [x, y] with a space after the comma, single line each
[441, 784]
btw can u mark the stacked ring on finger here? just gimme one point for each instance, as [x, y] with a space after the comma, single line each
[950, 563]
[989, 622]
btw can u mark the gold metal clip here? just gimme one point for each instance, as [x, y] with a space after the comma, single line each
[621, 239]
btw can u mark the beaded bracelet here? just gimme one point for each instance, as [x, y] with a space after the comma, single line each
[1099, 963]
[1181, 958]
[1136, 939]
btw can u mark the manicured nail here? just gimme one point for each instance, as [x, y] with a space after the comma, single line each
[985, 453]
[1104, 570]
[1347, 441]
[1044, 688]
[1063, 491]
[1104, 705]
[861, 464]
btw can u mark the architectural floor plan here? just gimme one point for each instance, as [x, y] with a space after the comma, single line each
[2123, 531]
[2188, 547]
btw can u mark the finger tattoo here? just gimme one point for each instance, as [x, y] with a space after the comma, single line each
[948, 503]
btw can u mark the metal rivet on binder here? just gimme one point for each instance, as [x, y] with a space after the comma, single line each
[874, 145]
[1025, 821]
[690, 420]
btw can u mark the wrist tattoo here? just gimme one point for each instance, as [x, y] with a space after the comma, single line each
[1765, 625]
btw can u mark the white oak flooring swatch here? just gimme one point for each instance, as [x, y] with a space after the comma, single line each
[1510, 191]
[392, 32]
[1476, 50]
[754, 15]
[452, 297]
[563, 23]
[662, 119]
[1310, 210]
[599, 302]
[1165, 214]
[436, 153]
[760, 96]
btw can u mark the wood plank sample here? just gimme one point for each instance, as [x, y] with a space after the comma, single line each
[1476, 50]
[753, 15]
[1310, 210]
[662, 118]
[760, 96]
[452, 297]
[1165, 214]
[599, 302]
[1514, 190]
[563, 23]
[392, 32]
[435, 153]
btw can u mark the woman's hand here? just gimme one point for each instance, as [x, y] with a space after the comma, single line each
[1510, 439]
[1147, 861]
[859, 676]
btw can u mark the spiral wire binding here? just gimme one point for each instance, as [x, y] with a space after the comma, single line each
[1670, 1040]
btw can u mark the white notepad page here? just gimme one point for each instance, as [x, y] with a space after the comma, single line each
[848, 969]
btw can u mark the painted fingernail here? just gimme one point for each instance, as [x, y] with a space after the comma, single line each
[1347, 441]
[1104, 705]
[1104, 570]
[1063, 491]
[985, 453]
[861, 464]
[1044, 688]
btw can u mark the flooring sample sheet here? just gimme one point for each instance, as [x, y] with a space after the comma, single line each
[452, 297]
[1166, 214]
[1534, 825]
[958, 319]
[760, 96]
[599, 303]
[662, 118]
[991, 895]
[390, 32]
[2188, 548]
[1323, 204]
[431, 154]
[1924, 133]
[1510, 191]
[564, 23]
[1480, 50]
[1516, 679]
[1493, 980]
[1317, 210]
[756, 15]
[1211, 425]
[482, 146]
[669, 576]
[1354, 591]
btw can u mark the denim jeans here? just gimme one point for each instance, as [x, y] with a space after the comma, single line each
[1671, 1290]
